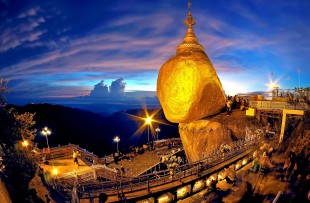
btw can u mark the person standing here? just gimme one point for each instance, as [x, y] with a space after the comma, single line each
[122, 169]
[228, 106]
[75, 158]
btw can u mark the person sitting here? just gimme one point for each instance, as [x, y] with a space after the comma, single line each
[212, 186]
[255, 166]
[266, 164]
[230, 175]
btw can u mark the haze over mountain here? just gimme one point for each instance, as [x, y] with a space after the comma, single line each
[101, 99]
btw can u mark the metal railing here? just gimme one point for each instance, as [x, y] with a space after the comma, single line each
[162, 177]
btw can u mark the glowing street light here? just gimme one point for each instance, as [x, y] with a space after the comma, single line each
[25, 143]
[55, 172]
[157, 131]
[46, 132]
[117, 140]
[148, 121]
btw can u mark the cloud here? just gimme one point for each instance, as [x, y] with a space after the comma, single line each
[30, 12]
[100, 90]
[18, 32]
[135, 45]
[117, 87]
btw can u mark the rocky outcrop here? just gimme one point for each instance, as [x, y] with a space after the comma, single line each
[200, 137]
[238, 123]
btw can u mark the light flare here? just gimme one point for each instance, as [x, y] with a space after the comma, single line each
[25, 143]
[148, 121]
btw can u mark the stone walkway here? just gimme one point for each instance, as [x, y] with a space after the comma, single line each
[63, 166]
[141, 163]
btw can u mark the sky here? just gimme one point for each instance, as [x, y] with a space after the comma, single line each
[62, 49]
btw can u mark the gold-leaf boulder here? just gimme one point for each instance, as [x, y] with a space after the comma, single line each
[188, 87]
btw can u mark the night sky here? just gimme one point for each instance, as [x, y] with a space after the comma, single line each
[62, 48]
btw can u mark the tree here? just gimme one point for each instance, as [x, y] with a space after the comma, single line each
[19, 160]
[3, 91]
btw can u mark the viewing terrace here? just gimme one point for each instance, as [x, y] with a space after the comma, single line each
[144, 177]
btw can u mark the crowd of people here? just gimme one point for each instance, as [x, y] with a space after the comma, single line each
[295, 171]
[236, 102]
[290, 168]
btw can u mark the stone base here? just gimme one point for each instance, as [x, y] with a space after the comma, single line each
[199, 138]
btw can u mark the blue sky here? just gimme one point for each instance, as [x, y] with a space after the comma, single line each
[57, 49]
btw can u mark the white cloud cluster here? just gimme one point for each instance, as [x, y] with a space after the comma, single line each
[101, 90]
[117, 87]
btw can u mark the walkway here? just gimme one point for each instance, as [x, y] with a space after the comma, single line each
[141, 163]
[62, 166]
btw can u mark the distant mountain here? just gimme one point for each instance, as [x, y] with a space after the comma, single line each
[105, 105]
[93, 131]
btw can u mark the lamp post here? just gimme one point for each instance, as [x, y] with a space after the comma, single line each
[117, 140]
[157, 131]
[148, 121]
[46, 132]
[298, 77]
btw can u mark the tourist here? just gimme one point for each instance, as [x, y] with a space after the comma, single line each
[116, 158]
[103, 197]
[75, 157]
[267, 131]
[242, 104]
[228, 106]
[237, 102]
[212, 186]
[123, 169]
[230, 175]
[266, 164]
[255, 165]
[303, 192]
[169, 145]
[47, 198]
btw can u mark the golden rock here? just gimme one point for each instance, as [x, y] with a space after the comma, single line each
[188, 87]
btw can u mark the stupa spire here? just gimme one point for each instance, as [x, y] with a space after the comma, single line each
[190, 41]
[190, 20]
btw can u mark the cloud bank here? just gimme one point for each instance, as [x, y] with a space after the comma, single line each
[50, 50]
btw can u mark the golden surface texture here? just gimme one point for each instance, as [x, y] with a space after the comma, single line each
[200, 137]
[188, 87]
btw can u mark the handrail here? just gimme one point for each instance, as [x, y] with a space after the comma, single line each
[277, 197]
[185, 170]
[91, 154]
[161, 177]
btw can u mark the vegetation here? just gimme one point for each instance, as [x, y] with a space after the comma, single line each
[16, 141]
[92, 131]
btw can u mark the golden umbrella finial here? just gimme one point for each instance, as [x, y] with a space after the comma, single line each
[190, 41]
[189, 21]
